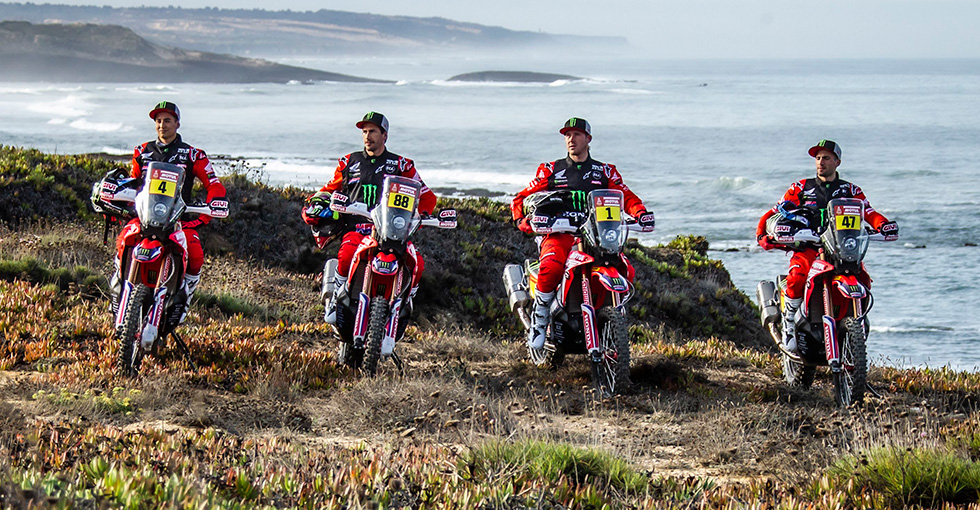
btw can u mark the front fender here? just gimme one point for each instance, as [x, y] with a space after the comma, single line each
[611, 279]
[849, 286]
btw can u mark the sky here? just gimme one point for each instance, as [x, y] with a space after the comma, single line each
[695, 28]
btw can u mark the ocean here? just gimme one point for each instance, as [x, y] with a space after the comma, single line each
[708, 145]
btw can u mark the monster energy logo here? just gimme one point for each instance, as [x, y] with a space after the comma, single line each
[162, 104]
[571, 122]
[369, 194]
[369, 116]
[578, 200]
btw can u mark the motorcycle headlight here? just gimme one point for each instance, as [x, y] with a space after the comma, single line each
[611, 236]
[160, 210]
[850, 243]
[398, 222]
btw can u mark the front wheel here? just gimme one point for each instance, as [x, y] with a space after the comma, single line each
[611, 373]
[377, 320]
[130, 349]
[852, 380]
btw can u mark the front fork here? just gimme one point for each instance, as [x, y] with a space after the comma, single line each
[588, 316]
[831, 342]
[361, 318]
[152, 326]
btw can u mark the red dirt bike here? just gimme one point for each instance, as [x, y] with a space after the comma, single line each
[588, 315]
[831, 324]
[148, 305]
[375, 305]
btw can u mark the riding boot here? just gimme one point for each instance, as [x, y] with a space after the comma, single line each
[790, 307]
[190, 285]
[540, 319]
[339, 290]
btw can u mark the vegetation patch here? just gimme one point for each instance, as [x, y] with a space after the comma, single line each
[893, 477]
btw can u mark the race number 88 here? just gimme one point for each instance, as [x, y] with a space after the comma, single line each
[401, 201]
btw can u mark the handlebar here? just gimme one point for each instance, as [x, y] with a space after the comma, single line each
[206, 210]
[444, 219]
[809, 236]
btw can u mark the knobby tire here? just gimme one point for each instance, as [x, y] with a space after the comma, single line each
[378, 317]
[130, 350]
[851, 384]
[612, 374]
[349, 355]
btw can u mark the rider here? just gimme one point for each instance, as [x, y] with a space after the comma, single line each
[813, 194]
[576, 172]
[170, 148]
[359, 176]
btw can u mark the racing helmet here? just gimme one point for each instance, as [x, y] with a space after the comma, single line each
[546, 208]
[113, 195]
[790, 221]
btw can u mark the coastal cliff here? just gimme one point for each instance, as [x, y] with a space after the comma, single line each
[111, 53]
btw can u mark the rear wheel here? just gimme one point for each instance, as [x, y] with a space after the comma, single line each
[611, 372]
[130, 350]
[378, 318]
[798, 374]
[349, 355]
[852, 380]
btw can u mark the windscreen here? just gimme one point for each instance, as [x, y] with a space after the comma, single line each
[396, 212]
[159, 197]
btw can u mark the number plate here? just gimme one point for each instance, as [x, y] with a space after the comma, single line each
[848, 222]
[163, 182]
[401, 201]
[607, 213]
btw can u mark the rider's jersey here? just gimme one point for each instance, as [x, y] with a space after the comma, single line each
[566, 174]
[815, 194]
[181, 154]
[360, 176]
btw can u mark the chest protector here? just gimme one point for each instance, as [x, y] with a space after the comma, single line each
[586, 176]
[365, 174]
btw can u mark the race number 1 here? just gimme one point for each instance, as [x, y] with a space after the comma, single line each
[607, 213]
[401, 201]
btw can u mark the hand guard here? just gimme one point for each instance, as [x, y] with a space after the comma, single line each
[646, 220]
[889, 229]
[219, 207]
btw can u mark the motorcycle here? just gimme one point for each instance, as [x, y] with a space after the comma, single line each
[147, 302]
[375, 304]
[831, 324]
[588, 315]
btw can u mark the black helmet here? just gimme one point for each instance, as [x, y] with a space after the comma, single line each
[546, 207]
[790, 221]
[114, 194]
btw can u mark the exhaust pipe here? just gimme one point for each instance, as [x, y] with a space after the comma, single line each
[514, 286]
[329, 277]
[765, 294]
